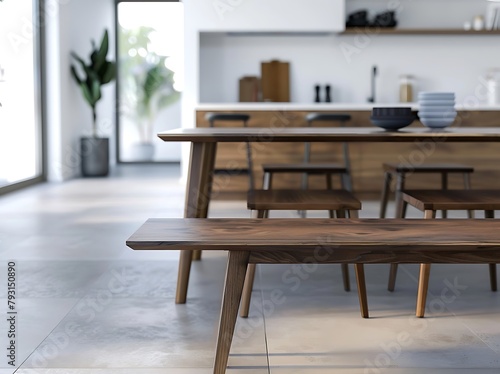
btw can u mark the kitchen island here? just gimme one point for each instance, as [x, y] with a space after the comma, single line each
[366, 158]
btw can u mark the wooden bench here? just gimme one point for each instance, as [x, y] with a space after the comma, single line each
[289, 241]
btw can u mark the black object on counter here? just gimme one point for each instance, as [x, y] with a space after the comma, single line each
[317, 98]
[385, 19]
[371, 99]
[328, 98]
[358, 19]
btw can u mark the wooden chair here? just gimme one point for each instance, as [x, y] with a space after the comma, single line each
[429, 201]
[307, 168]
[392, 170]
[339, 203]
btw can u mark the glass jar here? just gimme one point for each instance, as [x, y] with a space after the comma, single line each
[406, 83]
[493, 86]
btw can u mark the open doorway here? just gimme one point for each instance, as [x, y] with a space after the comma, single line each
[150, 61]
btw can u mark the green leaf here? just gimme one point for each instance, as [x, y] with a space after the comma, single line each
[87, 95]
[75, 75]
[109, 73]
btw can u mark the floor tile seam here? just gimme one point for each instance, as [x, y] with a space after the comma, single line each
[49, 333]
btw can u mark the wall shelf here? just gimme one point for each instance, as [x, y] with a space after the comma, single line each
[396, 31]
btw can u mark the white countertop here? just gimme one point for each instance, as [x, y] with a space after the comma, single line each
[326, 106]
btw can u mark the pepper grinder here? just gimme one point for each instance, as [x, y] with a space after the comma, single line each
[317, 99]
[328, 94]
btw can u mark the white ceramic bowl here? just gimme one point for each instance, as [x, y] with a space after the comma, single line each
[436, 108]
[437, 123]
[436, 95]
[449, 114]
[437, 102]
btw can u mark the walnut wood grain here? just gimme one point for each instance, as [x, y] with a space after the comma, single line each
[306, 168]
[429, 168]
[453, 199]
[315, 134]
[302, 200]
[347, 240]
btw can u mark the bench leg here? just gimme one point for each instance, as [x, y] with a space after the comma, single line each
[247, 291]
[363, 299]
[393, 272]
[183, 276]
[235, 276]
[197, 255]
[423, 285]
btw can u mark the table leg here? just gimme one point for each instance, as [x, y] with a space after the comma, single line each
[199, 188]
[233, 286]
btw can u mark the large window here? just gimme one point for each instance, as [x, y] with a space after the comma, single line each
[150, 61]
[20, 122]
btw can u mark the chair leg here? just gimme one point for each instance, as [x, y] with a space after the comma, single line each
[423, 285]
[493, 267]
[400, 213]
[247, 291]
[385, 194]
[466, 176]
[360, 280]
[345, 267]
[197, 255]
[400, 185]
[267, 181]
[444, 186]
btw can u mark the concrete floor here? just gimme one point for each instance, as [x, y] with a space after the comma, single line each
[88, 304]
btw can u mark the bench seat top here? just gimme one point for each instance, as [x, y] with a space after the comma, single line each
[383, 236]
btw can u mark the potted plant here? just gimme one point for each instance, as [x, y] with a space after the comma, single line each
[94, 150]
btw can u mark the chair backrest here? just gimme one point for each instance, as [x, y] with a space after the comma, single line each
[328, 117]
[234, 117]
[212, 117]
[331, 117]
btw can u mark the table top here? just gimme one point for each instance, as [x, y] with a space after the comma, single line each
[310, 233]
[329, 134]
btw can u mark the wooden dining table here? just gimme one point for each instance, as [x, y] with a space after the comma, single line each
[204, 146]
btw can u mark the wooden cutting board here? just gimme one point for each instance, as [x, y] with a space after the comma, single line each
[249, 89]
[275, 81]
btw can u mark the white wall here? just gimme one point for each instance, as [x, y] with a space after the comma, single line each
[452, 63]
[439, 63]
[70, 27]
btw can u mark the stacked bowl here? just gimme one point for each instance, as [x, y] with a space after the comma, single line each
[392, 119]
[437, 109]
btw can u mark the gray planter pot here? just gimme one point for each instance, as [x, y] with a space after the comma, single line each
[94, 154]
